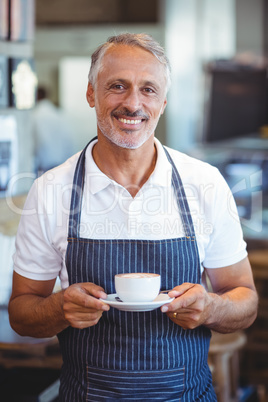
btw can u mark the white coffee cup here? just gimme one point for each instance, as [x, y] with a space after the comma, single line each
[137, 287]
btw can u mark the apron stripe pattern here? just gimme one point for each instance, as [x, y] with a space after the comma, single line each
[133, 355]
[138, 387]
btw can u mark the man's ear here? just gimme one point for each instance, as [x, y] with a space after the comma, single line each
[164, 106]
[90, 95]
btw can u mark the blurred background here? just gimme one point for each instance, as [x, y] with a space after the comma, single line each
[217, 111]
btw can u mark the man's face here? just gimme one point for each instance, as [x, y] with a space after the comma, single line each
[129, 95]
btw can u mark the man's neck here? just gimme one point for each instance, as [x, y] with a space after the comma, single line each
[129, 167]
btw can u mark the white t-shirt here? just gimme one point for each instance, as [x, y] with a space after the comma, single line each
[109, 212]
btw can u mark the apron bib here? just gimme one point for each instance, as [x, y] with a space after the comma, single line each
[133, 356]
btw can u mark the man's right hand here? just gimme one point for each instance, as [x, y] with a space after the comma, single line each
[81, 305]
[34, 310]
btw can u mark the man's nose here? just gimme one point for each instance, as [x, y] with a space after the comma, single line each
[133, 99]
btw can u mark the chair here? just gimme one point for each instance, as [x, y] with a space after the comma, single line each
[223, 360]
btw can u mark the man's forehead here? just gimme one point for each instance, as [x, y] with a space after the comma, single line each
[121, 50]
[125, 61]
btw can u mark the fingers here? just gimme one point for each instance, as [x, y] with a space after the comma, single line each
[181, 289]
[86, 295]
[82, 307]
[185, 295]
[82, 321]
[188, 307]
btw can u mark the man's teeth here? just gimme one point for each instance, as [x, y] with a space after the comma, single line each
[129, 121]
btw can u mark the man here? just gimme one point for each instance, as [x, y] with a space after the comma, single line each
[127, 204]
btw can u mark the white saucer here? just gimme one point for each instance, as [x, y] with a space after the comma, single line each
[137, 306]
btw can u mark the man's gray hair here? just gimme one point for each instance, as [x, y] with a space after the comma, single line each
[141, 40]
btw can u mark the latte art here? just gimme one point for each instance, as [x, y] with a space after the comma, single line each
[138, 275]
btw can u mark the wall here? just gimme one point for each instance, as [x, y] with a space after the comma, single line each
[196, 31]
[250, 26]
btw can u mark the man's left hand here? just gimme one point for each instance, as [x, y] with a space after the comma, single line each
[189, 309]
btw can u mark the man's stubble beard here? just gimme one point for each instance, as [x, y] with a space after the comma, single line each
[127, 141]
[131, 139]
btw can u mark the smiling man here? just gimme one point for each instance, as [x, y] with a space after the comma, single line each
[129, 96]
[128, 204]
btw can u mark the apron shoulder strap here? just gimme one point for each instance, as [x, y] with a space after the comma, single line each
[77, 194]
[181, 198]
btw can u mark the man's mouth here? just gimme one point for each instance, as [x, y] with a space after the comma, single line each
[134, 119]
[128, 121]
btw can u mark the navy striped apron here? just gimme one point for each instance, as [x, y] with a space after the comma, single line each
[133, 356]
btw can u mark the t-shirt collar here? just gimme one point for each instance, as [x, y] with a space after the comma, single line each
[98, 181]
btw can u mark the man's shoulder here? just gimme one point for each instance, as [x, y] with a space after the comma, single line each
[61, 174]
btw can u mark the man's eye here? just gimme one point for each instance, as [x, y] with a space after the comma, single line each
[149, 90]
[118, 86]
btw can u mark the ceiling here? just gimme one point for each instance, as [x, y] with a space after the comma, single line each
[81, 12]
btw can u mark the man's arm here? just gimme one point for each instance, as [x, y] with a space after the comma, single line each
[233, 306]
[35, 311]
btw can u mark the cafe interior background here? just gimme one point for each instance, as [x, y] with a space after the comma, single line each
[217, 111]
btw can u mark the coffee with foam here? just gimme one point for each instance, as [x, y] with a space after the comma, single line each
[138, 275]
[137, 286]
